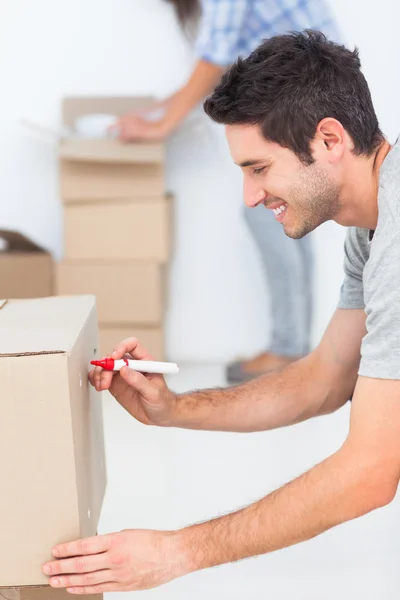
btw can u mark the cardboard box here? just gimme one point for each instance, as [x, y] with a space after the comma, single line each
[110, 151]
[26, 270]
[52, 463]
[99, 181]
[128, 292]
[150, 338]
[118, 231]
[98, 169]
[41, 593]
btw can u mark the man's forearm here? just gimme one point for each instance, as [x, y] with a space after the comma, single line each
[337, 490]
[284, 397]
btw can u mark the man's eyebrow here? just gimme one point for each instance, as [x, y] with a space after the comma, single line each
[250, 163]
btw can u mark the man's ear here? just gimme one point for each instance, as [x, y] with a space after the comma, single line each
[330, 137]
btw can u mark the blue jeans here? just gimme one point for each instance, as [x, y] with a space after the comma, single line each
[289, 268]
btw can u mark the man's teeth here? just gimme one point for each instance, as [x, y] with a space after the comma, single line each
[277, 211]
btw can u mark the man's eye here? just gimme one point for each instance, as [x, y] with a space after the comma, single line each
[258, 171]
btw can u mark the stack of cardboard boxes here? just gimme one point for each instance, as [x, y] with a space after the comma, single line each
[116, 228]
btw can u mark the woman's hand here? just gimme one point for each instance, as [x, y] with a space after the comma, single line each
[136, 128]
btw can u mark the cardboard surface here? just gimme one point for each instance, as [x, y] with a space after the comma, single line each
[51, 435]
[125, 292]
[26, 270]
[118, 231]
[41, 593]
[150, 338]
[99, 181]
[110, 151]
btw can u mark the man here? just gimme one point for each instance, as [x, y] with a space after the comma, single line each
[301, 125]
[226, 30]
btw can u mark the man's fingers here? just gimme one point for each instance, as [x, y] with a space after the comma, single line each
[132, 347]
[97, 378]
[93, 545]
[79, 564]
[105, 380]
[101, 379]
[129, 348]
[140, 383]
[82, 580]
[102, 588]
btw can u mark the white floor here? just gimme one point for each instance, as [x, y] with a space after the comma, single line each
[164, 479]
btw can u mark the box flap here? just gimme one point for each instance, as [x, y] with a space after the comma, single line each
[45, 325]
[74, 107]
[110, 150]
[12, 241]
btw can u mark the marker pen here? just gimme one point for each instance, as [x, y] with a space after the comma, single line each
[143, 366]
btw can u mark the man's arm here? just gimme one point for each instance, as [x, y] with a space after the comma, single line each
[319, 383]
[362, 476]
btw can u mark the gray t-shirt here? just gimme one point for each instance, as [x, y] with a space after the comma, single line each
[372, 276]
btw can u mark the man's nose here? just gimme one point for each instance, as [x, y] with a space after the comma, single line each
[253, 197]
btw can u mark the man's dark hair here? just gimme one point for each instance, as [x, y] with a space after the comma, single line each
[291, 82]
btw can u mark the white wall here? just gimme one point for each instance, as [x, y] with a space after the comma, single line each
[48, 49]
[165, 479]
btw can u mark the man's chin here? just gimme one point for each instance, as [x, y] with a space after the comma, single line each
[296, 233]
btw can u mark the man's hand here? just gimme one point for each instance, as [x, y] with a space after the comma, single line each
[145, 396]
[130, 560]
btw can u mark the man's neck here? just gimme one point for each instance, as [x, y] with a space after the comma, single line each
[360, 194]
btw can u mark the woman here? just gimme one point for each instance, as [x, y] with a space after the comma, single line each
[225, 30]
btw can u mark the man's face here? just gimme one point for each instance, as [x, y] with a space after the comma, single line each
[301, 196]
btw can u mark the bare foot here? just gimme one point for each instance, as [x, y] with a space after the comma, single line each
[266, 362]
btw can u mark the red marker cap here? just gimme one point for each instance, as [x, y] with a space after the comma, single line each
[105, 363]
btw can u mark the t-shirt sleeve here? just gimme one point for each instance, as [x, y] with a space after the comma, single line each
[380, 350]
[352, 290]
[220, 31]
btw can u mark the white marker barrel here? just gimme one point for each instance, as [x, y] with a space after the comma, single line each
[148, 366]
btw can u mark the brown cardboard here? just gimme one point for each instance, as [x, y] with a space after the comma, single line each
[152, 339]
[41, 593]
[26, 270]
[110, 151]
[52, 464]
[128, 292]
[118, 231]
[91, 181]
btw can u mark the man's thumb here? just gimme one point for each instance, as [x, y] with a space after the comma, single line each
[138, 382]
